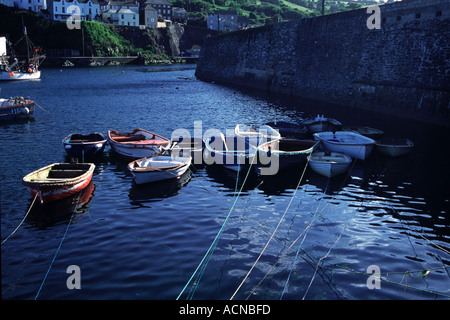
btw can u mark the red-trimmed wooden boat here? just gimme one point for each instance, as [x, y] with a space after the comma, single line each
[137, 144]
[58, 180]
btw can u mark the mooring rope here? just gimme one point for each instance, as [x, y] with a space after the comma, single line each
[213, 245]
[300, 235]
[273, 233]
[59, 247]
[17, 228]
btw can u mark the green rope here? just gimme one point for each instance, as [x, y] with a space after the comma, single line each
[213, 245]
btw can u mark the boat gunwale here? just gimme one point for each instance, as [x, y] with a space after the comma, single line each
[366, 141]
[103, 141]
[141, 169]
[54, 182]
[135, 131]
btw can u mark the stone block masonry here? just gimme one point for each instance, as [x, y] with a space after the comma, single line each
[402, 68]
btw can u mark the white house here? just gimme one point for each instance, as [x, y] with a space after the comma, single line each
[122, 13]
[87, 9]
[33, 5]
[121, 17]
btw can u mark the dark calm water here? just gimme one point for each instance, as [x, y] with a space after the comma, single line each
[145, 242]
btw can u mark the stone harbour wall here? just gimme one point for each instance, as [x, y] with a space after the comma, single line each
[401, 68]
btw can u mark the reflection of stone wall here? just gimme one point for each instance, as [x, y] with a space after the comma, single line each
[402, 68]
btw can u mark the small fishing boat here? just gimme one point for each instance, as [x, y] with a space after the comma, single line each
[16, 108]
[58, 180]
[365, 131]
[290, 152]
[257, 134]
[394, 147]
[351, 143]
[84, 145]
[329, 164]
[20, 64]
[138, 143]
[289, 129]
[231, 152]
[158, 168]
[321, 124]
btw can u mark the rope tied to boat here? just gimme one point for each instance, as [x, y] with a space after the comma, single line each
[17, 228]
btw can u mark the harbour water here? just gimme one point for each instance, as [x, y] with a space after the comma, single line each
[326, 239]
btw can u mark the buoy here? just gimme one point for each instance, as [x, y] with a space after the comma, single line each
[29, 70]
[11, 74]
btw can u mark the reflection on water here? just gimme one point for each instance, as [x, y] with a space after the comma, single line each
[145, 242]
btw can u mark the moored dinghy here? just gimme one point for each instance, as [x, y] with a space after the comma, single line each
[329, 164]
[351, 143]
[395, 147]
[16, 108]
[137, 144]
[365, 131]
[321, 124]
[289, 129]
[58, 180]
[158, 168]
[231, 152]
[290, 151]
[257, 134]
[84, 145]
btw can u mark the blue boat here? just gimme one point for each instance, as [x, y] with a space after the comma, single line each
[16, 109]
[81, 146]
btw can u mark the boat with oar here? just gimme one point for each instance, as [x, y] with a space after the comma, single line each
[321, 124]
[395, 147]
[16, 108]
[257, 134]
[351, 143]
[158, 168]
[231, 152]
[84, 145]
[138, 143]
[290, 152]
[329, 164]
[58, 180]
[289, 129]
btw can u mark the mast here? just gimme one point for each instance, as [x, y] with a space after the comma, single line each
[27, 46]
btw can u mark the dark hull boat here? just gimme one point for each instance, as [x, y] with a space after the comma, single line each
[81, 145]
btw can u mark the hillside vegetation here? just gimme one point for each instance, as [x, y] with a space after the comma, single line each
[259, 10]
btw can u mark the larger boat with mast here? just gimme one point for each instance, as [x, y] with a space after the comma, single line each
[20, 67]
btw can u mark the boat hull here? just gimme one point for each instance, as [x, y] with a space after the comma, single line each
[329, 165]
[350, 143]
[138, 149]
[79, 146]
[17, 111]
[52, 189]
[143, 175]
[401, 148]
[316, 125]
[11, 76]
[257, 135]
[231, 152]
[290, 152]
